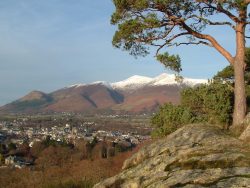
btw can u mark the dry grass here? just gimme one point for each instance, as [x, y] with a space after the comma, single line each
[72, 172]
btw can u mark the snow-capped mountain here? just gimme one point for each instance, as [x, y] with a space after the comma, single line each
[75, 85]
[134, 95]
[136, 82]
[93, 83]
[133, 82]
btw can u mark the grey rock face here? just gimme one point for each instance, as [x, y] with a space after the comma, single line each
[246, 134]
[192, 157]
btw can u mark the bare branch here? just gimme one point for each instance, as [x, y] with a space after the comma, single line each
[220, 9]
[150, 39]
[213, 41]
[179, 44]
[160, 47]
[198, 35]
[176, 36]
[193, 43]
[211, 22]
[167, 42]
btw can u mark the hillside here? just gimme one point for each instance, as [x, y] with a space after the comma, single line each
[136, 94]
[33, 102]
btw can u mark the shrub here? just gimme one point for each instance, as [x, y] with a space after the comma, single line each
[212, 103]
[169, 118]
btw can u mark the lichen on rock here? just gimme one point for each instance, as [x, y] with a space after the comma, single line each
[197, 155]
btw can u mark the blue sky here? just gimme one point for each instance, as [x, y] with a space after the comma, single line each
[48, 44]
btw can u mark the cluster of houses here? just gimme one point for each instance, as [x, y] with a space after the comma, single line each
[17, 162]
[15, 133]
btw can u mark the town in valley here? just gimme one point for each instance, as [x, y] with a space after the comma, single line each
[126, 131]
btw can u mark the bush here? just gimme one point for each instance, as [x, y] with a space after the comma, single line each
[169, 118]
[212, 103]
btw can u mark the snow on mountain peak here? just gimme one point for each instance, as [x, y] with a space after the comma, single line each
[107, 84]
[193, 82]
[132, 82]
[170, 79]
[164, 79]
[136, 82]
[76, 85]
[164, 75]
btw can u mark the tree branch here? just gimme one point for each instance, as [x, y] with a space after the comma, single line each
[150, 39]
[170, 40]
[176, 36]
[220, 9]
[193, 43]
[247, 1]
[207, 21]
[213, 41]
[196, 34]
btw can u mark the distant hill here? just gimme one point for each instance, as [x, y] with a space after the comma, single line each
[136, 94]
[33, 102]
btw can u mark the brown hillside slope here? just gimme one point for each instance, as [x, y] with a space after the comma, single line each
[34, 95]
[149, 98]
[79, 99]
[95, 97]
[33, 102]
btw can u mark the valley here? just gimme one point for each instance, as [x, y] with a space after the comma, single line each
[62, 146]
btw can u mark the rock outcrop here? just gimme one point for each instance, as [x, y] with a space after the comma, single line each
[245, 136]
[194, 156]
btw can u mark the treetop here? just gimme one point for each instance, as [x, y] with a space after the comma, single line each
[166, 23]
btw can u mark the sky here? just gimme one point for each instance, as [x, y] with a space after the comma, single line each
[46, 45]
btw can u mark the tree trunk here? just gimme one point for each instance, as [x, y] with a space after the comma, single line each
[239, 92]
[239, 72]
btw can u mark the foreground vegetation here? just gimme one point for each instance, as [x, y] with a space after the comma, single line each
[161, 24]
[212, 103]
[61, 165]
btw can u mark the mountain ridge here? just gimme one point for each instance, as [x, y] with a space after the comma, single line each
[140, 81]
[137, 94]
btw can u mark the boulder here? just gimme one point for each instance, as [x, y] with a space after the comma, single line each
[246, 134]
[197, 155]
